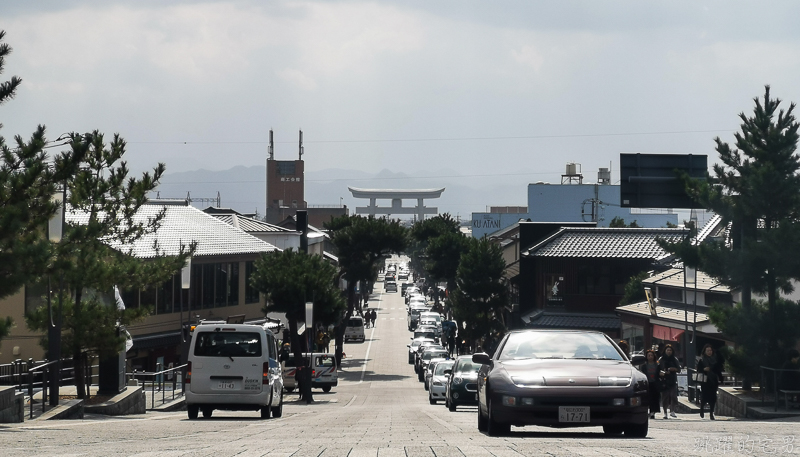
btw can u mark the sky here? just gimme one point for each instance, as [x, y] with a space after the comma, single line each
[498, 92]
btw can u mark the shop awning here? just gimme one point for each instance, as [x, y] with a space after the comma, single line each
[666, 333]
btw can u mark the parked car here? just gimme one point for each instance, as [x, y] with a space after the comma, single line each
[437, 384]
[414, 345]
[417, 356]
[561, 378]
[462, 384]
[426, 356]
[390, 286]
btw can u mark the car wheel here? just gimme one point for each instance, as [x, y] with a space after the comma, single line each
[482, 420]
[451, 406]
[613, 429]
[289, 389]
[207, 412]
[193, 410]
[278, 410]
[494, 428]
[410, 359]
[326, 389]
[426, 384]
[431, 400]
[636, 430]
[420, 375]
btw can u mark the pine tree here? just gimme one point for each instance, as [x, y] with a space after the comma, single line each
[28, 179]
[289, 279]
[95, 253]
[756, 188]
[480, 294]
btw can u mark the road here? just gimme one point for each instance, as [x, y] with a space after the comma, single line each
[379, 409]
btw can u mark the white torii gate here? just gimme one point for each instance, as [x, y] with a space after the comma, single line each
[397, 196]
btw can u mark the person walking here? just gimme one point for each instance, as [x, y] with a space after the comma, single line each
[372, 316]
[669, 366]
[650, 369]
[710, 367]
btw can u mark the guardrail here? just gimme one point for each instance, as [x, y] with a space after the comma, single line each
[158, 378]
[31, 372]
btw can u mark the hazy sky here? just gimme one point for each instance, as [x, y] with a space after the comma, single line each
[500, 90]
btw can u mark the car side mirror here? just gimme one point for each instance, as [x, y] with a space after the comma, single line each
[408, 345]
[638, 360]
[482, 358]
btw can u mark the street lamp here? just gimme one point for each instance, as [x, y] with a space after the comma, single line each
[55, 229]
[186, 282]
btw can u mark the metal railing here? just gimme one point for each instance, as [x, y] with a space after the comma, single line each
[31, 372]
[763, 371]
[158, 378]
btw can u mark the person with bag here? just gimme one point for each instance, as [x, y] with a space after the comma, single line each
[669, 366]
[650, 369]
[709, 374]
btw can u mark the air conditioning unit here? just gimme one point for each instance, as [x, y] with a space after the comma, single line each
[572, 169]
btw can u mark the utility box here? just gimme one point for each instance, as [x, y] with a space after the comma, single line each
[112, 375]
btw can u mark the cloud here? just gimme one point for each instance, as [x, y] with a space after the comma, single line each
[297, 79]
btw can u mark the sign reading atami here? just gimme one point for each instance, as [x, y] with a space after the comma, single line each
[486, 223]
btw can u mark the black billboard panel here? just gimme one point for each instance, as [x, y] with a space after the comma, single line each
[651, 180]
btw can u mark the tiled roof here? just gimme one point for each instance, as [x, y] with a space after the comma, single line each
[635, 243]
[674, 278]
[554, 319]
[184, 224]
[671, 313]
[248, 224]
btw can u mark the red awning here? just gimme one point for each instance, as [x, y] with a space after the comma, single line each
[666, 333]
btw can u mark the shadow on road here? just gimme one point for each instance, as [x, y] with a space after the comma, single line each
[370, 376]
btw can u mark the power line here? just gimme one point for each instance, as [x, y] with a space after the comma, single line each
[419, 140]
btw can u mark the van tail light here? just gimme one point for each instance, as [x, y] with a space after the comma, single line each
[189, 373]
[313, 372]
[265, 374]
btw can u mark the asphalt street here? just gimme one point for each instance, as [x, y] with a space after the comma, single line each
[379, 409]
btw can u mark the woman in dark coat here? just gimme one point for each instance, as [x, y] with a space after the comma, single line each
[650, 369]
[710, 365]
[669, 367]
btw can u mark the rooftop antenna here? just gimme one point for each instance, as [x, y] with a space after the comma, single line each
[271, 146]
[301, 146]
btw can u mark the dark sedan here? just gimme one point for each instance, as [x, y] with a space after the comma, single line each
[560, 378]
[462, 384]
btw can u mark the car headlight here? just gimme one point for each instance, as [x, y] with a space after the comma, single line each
[437, 383]
[457, 380]
[534, 381]
[613, 381]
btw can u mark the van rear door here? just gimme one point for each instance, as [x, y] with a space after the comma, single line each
[228, 361]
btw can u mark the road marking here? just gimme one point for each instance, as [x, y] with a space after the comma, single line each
[351, 401]
[366, 357]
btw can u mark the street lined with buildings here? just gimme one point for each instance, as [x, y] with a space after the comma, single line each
[379, 409]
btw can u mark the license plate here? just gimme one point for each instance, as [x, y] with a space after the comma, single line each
[573, 414]
[226, 385]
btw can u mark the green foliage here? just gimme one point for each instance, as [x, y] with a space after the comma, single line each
[5, 327]
[94, 329]
[753, 328]
[444, 255]
[618, 222]
[756, 187]
[421, 234]
[290, 278]
[634, 290]
[480, 294]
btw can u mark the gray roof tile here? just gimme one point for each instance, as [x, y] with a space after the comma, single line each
[639, 243]
[184, 224]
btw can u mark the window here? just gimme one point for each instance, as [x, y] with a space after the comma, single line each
[228, 344]
[286, 168]
[166, 296]
[250, 293]
[668, 293]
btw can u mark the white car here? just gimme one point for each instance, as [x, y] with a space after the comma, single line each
[233, 367]
[413, 346]
[437, 385]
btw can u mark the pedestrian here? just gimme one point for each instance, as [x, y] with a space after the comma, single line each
[650, 369]
[366, 318]
[451, 340]
[625, 348]
[669, 366]
[790, 379]
[709, 369]
[373, 315]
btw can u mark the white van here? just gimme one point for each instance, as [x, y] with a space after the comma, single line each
[325, 374]
[355, 329]
[233, 367]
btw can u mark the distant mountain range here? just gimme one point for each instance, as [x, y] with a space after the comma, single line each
[243, 188]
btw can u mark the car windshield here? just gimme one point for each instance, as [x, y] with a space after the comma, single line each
[441, 366]
[228, 344]
[558, 345]
[467, 366]
[427, 355]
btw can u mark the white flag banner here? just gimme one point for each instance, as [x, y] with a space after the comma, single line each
[128, 340]
[118, 299]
